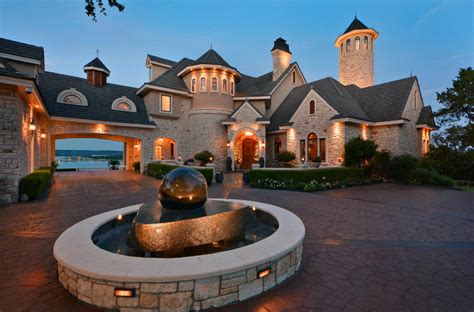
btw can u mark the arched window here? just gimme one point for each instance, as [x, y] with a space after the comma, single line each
[72, 96]
[124, 104]
[342, 47]
[276, 146]
[224, 85]
[203, 84]
[232, 87]
[312, 147]
[294, 76]
[311, 107]
[357, 42]
[348, 45]
[214, 84]
[371, 43]
[193, 85]
[366, 42]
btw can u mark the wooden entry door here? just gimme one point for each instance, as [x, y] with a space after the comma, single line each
[248, 153]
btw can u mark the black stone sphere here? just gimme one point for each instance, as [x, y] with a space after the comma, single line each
[183, 189]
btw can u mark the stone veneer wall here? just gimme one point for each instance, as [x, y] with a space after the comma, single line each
[182, 295]
[15, 144]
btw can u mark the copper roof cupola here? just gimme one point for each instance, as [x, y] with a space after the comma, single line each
[97, 72]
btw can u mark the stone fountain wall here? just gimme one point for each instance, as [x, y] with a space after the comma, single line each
[214, 291]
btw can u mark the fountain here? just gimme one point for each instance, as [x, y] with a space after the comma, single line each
[182, 252]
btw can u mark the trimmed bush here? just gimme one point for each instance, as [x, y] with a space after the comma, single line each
[379, 165]
[35, 183]
[285, 158]
[305, 176]
[204, 157]
[357, 152]
[402, 168]
[159, 170]
[425, 176]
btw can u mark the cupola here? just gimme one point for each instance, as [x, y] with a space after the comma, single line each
[281, 57]
[97, 72]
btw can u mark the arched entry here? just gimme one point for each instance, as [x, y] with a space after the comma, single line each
[246, 149]
[164, 149]
[132, 146]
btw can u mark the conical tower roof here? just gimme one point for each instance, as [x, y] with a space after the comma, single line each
[211, 57]
[96, 64]
[355, 25]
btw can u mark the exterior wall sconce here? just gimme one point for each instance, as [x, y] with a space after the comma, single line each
[302, 159]
[263, 144]
[228, 144]
[137, 145]
[32, 126]
[43, 135]
[248, 133]
[124, 292]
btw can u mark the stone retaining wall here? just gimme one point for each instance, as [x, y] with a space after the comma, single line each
[185, 295]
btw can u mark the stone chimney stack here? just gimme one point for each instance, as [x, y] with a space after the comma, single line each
[281, 56]
[97, 72]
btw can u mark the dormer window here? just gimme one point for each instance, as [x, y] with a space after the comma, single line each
[73, 97]
[224, 85]
[203, 84]
[124, 104]
[193, 85]
[214, 84]
[165, 103]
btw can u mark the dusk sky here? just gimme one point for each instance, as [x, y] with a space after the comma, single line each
[430, 39]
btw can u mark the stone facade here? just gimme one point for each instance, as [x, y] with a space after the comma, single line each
[205, 293]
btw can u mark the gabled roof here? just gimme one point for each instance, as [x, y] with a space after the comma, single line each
[426, 117]
[355, 25]
[21, 49]
[97, 63]
[161, 60]
[262, 85]
[170, 78]
[383, 102]
[333, 92]
[386, 101]
[211, 57]
[256, 111]
[99, 100]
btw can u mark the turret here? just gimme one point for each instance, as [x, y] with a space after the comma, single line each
[356, 54]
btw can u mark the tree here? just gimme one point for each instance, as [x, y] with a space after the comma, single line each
[357, 152]
[459, 138]
[92, 5]
[458, 101]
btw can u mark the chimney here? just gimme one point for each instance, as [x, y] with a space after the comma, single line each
[281, 56]
[97, 72]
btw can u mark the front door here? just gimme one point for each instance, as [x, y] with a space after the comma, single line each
[248, 153]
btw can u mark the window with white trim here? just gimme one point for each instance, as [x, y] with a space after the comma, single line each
[124, 104]
[202, 86]
[214, 84]
[72, 96]
[224, 85]
[165, 104]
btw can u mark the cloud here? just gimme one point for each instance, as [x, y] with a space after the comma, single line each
[429, 13]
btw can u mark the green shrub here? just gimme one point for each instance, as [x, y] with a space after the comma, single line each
[204, 157]
[379, 165]
[357, 152]
[425, 176]
[159, 170]
[305, 176]
[402, 168]
[35, 183]
[285, 157]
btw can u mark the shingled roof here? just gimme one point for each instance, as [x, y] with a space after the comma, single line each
[383, 102]
[99, 100]
[161, 60]
[426, 117]
[211, 57]
[355, 25]
[21, 49]
[97, 63]
[170, 78]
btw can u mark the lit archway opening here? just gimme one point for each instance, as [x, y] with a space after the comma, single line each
[164, 149]
[246, 149]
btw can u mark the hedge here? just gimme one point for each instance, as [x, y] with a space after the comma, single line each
[306, 175]
[35, 183]
[159, 170]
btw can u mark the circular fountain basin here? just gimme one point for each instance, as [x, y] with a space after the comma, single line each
[116, 281]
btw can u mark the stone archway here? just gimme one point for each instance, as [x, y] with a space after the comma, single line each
[164, 148]
[132, 146]
[246, 149]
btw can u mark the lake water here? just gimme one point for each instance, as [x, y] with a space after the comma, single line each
[64, 162]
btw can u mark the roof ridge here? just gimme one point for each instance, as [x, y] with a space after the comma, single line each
[388, 82]
[108, 83]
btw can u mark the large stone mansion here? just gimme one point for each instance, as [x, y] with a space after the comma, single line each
[192, 105]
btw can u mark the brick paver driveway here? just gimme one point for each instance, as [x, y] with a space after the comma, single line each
[375, 248]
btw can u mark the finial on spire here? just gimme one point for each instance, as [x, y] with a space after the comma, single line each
[411, 75]
[355, 14]
[211, 45]
[97, 52]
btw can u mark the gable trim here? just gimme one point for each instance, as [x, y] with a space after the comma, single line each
[286, 74]
[20, 58]
[306, 98]
[251, 107]
[148, 86]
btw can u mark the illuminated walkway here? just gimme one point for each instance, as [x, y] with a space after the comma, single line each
[382, 247]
